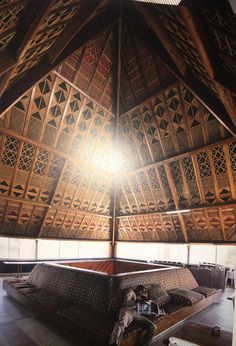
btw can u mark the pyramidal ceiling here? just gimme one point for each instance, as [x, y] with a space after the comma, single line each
[172, 125]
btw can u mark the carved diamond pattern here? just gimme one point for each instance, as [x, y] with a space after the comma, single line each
[10, 151]
[55, 167]
[232, 152]
[163, 176]
[153, 179]
[135, 184]
[41, 162]
[76, 177]
[188, 169]
[143, 181]
[219, 160]
[204, 165]
[26, 157]
[10, 17]
[176, 172]
[67, 171]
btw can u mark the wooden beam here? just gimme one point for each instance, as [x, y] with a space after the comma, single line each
[198, 37]
[198, 89]
[176, 200]
[222, 224]
[51, 150]
[24, 201]
[199, 34]
[7, 61]
[34, 16]
[187, 154]
[223, 206]
[86, 12]
[209, 57]
[80, 211]
[198, 179]
[154, 21]
[36, 73]
[213, 175]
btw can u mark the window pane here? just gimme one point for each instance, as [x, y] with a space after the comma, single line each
[68, 249]
[14, 248]
[27, 249]
[202, 253]
[150, 252]
[4, 248]
[132, 251]
[48, 249]
[89, 249]
[226, 255]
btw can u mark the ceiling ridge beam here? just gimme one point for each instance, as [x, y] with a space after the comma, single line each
[155, 23]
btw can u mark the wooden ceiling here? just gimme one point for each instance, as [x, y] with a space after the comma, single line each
[79, 78]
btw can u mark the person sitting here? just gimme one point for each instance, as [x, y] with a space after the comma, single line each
[129, 313]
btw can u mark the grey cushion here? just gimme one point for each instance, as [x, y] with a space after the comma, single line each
[206, 291]
[187, 297]
[158, 294]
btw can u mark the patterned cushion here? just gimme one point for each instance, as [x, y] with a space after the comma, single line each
[12, 281]
[19, 285]
[90, 322]
[186, 279]
[48, 299]
[185, 296]
[206, 291]
[158, 294]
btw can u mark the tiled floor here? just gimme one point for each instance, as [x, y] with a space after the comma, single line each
[22, 327]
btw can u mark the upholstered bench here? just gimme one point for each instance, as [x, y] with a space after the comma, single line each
[86, 303]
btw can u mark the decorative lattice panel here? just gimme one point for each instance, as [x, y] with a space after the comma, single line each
[10, 151]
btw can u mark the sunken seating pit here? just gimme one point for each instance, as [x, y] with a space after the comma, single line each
[85, 302]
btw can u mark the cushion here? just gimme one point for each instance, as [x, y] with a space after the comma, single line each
[11, 281]
[48, 299]
[90, 322]
[186, 279]
[185, 296]
[19, 285]
[206, 291]
[158, 294]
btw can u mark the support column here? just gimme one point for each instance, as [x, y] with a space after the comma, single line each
[188, 253]
[116, 69]
[36, 249]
